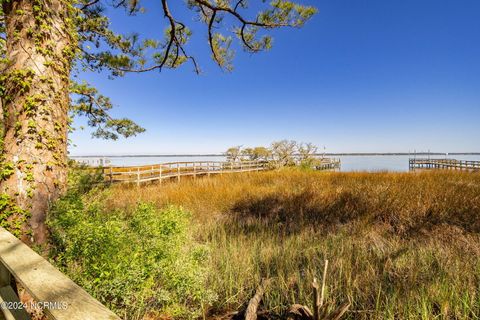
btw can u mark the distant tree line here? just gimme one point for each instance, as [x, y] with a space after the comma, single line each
[280, 153]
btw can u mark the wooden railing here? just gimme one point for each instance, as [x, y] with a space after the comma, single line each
[451, 164]
[327, 164]
[176, 170]
[57, 295]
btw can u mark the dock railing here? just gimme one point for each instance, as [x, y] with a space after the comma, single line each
[448, 164]
[327, 164]
[176, 170]
[57, 295]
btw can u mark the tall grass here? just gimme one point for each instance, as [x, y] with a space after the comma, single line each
[400, 245]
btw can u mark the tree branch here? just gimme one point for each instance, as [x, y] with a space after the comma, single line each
[89, 4]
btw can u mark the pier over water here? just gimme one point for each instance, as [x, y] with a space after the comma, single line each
[447, 164]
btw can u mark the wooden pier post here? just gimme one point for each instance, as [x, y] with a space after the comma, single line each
[138, 176]
[160, 173]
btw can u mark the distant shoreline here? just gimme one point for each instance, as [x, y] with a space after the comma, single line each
[318, 154]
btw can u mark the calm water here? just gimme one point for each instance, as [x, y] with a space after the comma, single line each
[388, 163]
[349, 163]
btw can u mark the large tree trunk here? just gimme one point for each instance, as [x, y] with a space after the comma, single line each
[35, 104]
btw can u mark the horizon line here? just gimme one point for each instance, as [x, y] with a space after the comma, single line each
[316, 154]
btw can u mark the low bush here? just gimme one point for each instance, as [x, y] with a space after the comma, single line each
[138, 261]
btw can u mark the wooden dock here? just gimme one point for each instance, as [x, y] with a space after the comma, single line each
[193, 169]
[177, 170]
[327, 164]
[446, 164]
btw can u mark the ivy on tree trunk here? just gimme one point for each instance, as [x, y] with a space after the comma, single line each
[35, 99]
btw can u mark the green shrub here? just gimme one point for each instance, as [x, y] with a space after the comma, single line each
[82, 178]
[136, 261]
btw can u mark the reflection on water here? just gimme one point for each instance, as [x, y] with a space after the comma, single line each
[349, 163]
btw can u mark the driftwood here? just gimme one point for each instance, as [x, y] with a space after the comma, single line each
[324, 278]
[318, 303]
[299, 312]
[337, 314]
[320, 309]
[316, 300]
[251, 312]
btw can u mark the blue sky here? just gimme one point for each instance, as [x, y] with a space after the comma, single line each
[361, 76]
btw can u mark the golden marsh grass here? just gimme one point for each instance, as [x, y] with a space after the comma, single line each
[400, 245]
